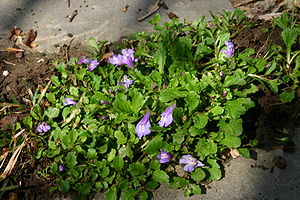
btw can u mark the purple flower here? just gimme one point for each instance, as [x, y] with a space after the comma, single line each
[105, 102]
[116, 60]
[126, 83]
[143, 127]
[166, 117]
[154, 86]
[61, 168]
[69, 101]
[43, 127]
[93, 64]
[224, 94]
[230, 49]
[104, 117]
[83, 60]
[164, 157]
[222, 74]
[127, 58]
[190, 163]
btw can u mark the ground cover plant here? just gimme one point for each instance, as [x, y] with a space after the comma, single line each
[160, 107]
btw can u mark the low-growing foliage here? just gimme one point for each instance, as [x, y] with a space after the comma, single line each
[161, 109]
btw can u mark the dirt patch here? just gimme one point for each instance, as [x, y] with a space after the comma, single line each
[259, 37]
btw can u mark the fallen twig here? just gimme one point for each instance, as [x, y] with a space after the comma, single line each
[13, 160]
[74, 13]
[153, 9]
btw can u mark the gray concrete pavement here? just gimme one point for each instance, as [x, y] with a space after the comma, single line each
[246, 180]
[102, 19]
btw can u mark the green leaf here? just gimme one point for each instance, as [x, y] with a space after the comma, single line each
[152, 185]
[200, 121]
[238, 107]
[137, 169]
[171, 94]
[231, 141]
[52, 112]
[155, 20]
[79, 74]
[198, 175]
[121, 104]
[55, 80]
[143, 196]
[118, 163]
[104, 172]
[129, 194]
[112, 193]
[217, 110]
[192, 101]
[215, 173]
[71, 159]
[260, 64]
[154, 146]
[92, 154]
[66, 111]
[234, 80]
[121, 139]
[244, 152]
[51, 97]
[85, 188]
[178, 182]
[74, 92]
[289, 36]
[234, 127]
[27, 121]
[111, 155]
[196, 189]
[206, 147]
[64, 186]
[137, 100]
[161, 176]
[287, 96]
[162, 56]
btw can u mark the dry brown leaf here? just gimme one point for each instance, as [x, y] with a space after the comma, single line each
[9, 167]
[106, 56]
[33, 45]
[10, 49]
[234, 153]
[172, 15]
[125, 8]
[30, 37]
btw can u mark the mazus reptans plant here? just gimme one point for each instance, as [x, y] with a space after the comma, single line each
[143, 127]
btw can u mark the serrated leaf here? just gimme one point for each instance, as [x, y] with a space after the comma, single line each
[52, 112]
[160, 176]
[112, 193]
[171, 94]
[238, 107]
[287, 96]
[71, 159]
[121, 139]
[217, 110]
[137, 169]
[231, 141]
[233, 127]
[200, 121]
[192, 101]
[154, 146]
